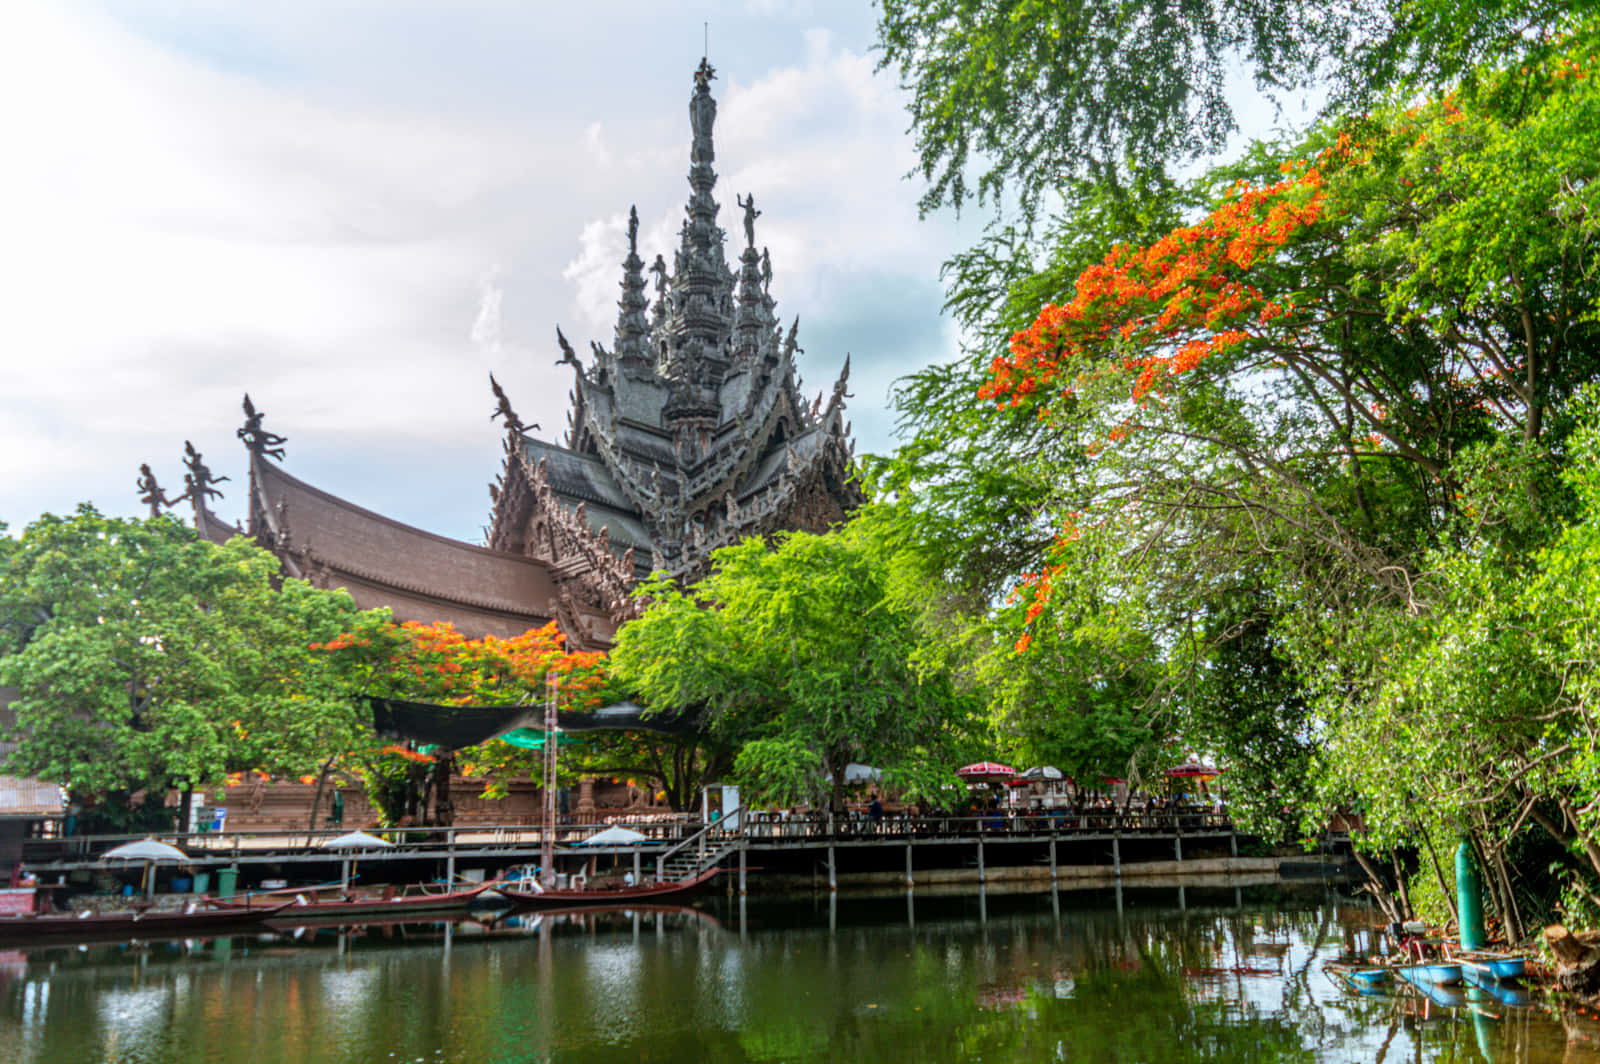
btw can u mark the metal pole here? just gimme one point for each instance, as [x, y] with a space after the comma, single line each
[833, 870]
[1177, 845]
[547, 845]
[741, 869]
[980, 859]
[909, 880]
[1116, 856]
[450, 862]
[636, 880]
[1052, 860]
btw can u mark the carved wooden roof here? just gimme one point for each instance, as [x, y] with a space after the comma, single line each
[383, 562]
[691, 432]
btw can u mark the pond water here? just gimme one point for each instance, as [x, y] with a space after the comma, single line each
[1232, 976]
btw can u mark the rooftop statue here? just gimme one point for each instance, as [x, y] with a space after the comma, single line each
[151, 493]
[504, 412]
[198, 479]
[256, 438]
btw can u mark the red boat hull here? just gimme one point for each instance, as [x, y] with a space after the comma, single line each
[572, 899]
[351, 909]
[206, 923]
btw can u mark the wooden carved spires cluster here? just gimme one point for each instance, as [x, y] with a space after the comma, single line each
[690, 432]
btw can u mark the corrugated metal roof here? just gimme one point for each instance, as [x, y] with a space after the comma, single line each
[22, 797]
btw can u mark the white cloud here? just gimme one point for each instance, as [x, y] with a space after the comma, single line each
[486, 331]
[181, 227]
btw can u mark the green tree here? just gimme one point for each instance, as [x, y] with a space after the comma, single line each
[1029, 95]
[804, 656]
[147, 658]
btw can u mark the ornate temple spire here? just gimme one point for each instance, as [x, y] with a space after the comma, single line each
[632, 348]
[700, 304]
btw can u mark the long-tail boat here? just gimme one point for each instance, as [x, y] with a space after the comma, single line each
[305, 906]
[32, 929]
[582, 897]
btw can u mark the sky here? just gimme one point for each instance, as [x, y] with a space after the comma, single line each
[355, 212]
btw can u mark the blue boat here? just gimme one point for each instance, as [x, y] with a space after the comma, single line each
[1442, 973]
[1369, 978]
[1505, 993]
[1505, 967]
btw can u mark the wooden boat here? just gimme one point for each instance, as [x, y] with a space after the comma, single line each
[133, 924]
[562, 898]
[305, 907]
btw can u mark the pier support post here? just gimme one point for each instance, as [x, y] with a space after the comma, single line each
[833, 871]
[1052, 860]
[1177, 846]
[636, 880]
[1116, 855]
[450, 862]
[741, 870]
[909, 881]
[1233, 842]
[981, 877]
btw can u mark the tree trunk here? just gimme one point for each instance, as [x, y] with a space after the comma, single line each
[1438, 871]
[1400, 884]
[1577, 962]
[443, 811]
[316, 801]
[1376, 888]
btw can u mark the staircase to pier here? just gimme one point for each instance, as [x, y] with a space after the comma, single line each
[705, 849]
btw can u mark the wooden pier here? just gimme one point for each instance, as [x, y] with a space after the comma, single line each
[814, 849]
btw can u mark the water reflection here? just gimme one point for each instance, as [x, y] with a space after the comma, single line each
[908, 976]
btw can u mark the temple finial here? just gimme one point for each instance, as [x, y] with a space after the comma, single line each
[257, 439]
[503, 411]
[152, 494]
[198, 480]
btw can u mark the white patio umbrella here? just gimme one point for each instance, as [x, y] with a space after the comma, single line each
[613, 836]
[354, 840]
[145, 850]
[150, 852]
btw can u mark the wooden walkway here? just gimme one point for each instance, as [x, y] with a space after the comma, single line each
[746, 843]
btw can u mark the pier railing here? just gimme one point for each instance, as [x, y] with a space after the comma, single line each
[754, 828]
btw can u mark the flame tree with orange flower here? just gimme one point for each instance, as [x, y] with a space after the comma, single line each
[1262, 420]
[436, 663]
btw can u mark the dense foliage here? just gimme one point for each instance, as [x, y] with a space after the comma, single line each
[147, 659]
[803, 657]
[1312, 427]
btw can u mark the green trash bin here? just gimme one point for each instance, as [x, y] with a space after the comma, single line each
[227, 882]
[202, 882]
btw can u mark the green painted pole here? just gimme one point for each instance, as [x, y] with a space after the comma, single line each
[1469, 898]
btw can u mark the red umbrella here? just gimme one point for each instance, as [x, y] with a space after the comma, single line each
[986, 771]
[1191, 770]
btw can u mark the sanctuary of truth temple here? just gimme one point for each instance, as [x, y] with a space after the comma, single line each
[687, 434]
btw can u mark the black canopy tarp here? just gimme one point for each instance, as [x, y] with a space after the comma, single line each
[455, 727]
